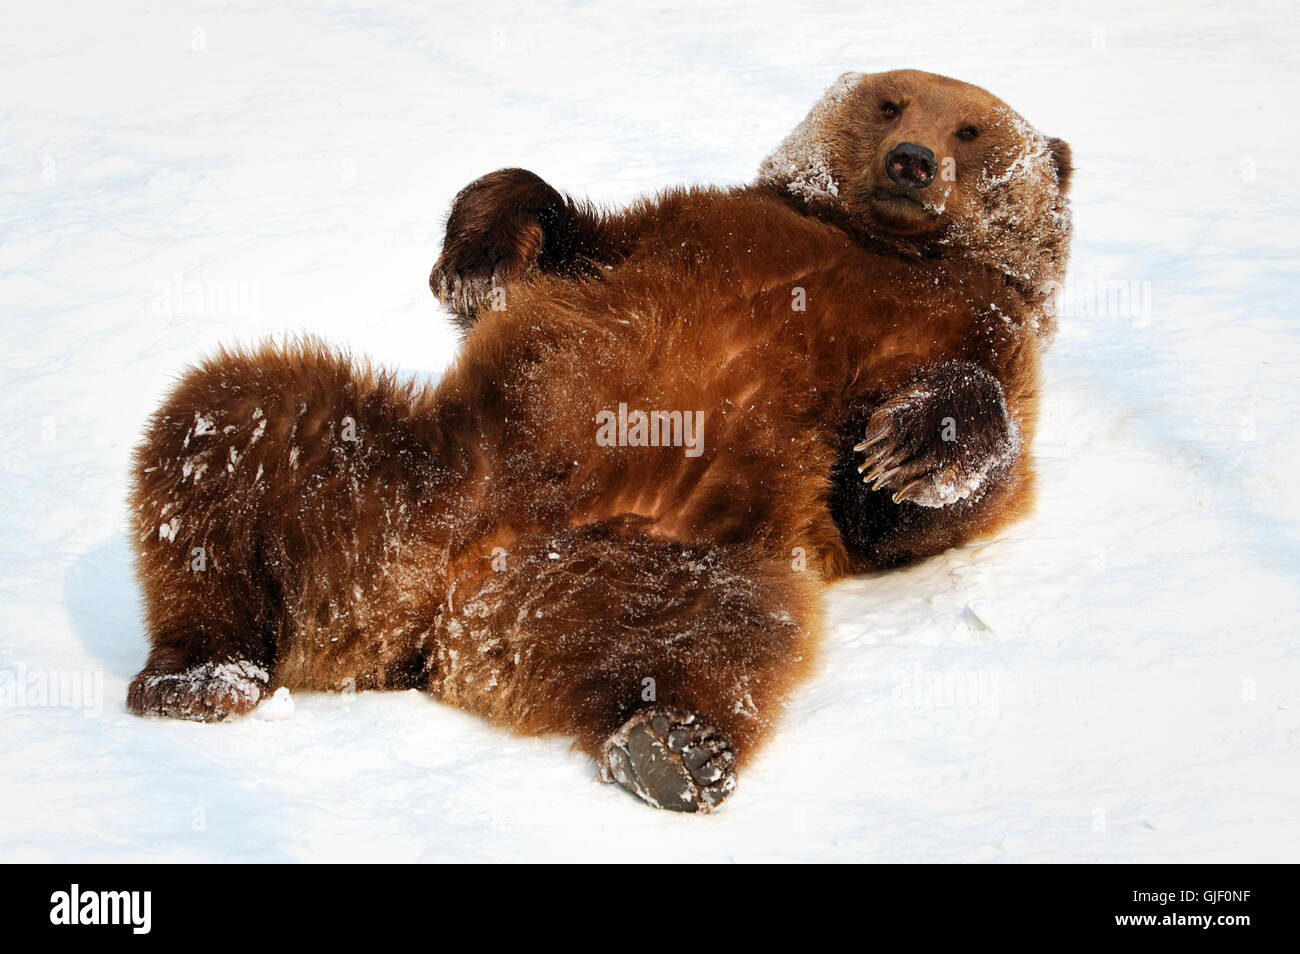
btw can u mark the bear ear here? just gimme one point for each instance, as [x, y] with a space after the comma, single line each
[1063, 160]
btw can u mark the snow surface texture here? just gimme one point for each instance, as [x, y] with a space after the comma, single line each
[1115, 679]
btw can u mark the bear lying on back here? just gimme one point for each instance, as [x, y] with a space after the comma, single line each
[668, 429]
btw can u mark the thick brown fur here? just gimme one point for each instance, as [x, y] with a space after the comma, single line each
[476, 539]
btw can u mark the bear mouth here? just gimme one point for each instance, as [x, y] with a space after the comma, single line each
[904, 200]
[903, 212]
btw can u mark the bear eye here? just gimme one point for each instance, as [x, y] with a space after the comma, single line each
[890, 110]
[967, 133]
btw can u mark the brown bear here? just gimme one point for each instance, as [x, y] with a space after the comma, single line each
[669, 427]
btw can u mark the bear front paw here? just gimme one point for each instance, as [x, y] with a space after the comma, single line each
[934, 442]
[494, 238]
[671, 760]
[472, 272]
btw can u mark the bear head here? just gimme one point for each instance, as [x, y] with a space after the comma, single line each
[931, 166]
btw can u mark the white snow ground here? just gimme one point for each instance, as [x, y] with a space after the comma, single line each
[1115, 679]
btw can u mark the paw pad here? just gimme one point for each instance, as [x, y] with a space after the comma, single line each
[671, 760]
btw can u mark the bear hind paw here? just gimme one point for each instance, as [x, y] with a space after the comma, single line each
[671, 760]
[208, 692]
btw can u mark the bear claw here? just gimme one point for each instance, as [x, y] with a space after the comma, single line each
[671, 760]
[908, 452]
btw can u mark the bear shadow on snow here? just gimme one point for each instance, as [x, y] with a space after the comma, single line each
[103, 603]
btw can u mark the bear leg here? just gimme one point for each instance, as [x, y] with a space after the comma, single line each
[668, 661]
[264, 497]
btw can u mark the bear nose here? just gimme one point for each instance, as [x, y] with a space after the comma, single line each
[910, 165]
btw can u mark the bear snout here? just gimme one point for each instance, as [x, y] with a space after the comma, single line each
[911, 166]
